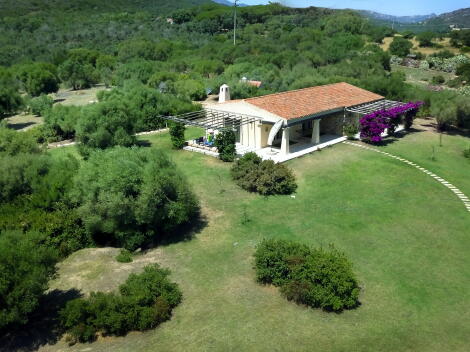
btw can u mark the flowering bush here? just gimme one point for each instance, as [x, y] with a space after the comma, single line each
[395, 60]
[375, 123]
[464, 90]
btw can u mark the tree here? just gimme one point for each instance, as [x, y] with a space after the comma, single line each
[105, 125]
[132, 197]
[177, 135]
[463, 71]
[445, 114]
[41, 81]
[79, 70]
[191, 88]
[60, 121]
[106, 64]
[408, 34]
[400, 47]
[10, 98]
[26, 266]
[37, 78]
[425, 39]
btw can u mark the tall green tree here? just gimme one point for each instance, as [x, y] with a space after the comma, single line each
[79, 70]
[10, 98]
[425, 38]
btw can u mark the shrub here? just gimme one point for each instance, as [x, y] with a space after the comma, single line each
[439, 79]
[274, 260]
[400, 46]
[13, 142]
[132, 196]
[41, 104]
[264, 177]
[60, 122]
[26, 266]
[225, 143]
[315, 277]
[144, 301]
[124, 256]
[350, 130]
[177, 135]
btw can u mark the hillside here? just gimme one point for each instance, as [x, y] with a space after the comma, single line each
[24, 7]
[398, 19]
[460, 18]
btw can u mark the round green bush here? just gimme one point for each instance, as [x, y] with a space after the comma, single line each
[263, 176]
[314, 277]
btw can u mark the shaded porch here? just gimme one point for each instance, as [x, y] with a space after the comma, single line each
[302, 147]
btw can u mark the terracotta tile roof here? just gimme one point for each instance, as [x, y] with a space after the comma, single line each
[309, 101]
[255, 83]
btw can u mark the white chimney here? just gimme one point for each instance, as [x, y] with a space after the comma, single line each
[224, 93]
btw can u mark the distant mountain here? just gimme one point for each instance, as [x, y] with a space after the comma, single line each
[398, 19]
[459, 18]
[229, 3]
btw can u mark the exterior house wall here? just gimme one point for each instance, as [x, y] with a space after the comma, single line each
[332, 124]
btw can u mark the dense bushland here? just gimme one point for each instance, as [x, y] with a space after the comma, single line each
[132, 197]
[253, 174]
[316, 277]
[144, 301]
[26, 265]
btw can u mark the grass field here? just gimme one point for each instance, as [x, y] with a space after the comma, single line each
[444, 43]
[82, 97]
[421, 76]
[406, 234]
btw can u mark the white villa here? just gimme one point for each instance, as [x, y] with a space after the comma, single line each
[287, 125]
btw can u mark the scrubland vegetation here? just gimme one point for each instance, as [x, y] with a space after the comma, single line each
[116, 189]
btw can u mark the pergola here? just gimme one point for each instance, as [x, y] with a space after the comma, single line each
[368, 108]
[213, 119]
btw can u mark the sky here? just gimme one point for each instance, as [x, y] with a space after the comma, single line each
[389, 7]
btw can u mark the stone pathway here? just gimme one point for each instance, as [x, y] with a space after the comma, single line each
[457, 192]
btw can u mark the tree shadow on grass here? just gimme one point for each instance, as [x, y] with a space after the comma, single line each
[396, 137]
[20, 126]
[143, 143]
[43, 327]
[184, 232]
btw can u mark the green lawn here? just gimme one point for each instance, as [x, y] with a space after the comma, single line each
[407, 235]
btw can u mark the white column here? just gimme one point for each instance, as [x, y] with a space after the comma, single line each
[316, 132]
[285, 141]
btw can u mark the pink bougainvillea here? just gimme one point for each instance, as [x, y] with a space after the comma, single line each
[375, 123]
